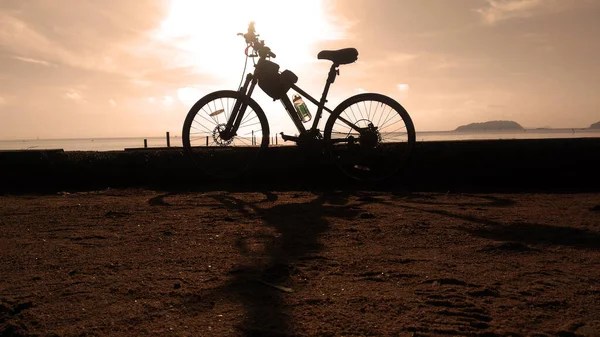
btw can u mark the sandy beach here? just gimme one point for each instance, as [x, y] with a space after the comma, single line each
[119, 262]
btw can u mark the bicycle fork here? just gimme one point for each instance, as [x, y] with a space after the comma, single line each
[239, 108]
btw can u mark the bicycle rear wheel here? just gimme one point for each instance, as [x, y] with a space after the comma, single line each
[370, 136]
[210, 148]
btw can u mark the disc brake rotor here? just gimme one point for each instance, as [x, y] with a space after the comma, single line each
[370, 137]
[216, 134]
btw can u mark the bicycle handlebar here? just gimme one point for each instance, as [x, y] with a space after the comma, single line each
[256, 44]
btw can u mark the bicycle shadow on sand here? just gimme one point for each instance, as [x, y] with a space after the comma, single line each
[514, 234]
[260, 283]
[265, 281]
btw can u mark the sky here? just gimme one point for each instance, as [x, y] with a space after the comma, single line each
[132, 68]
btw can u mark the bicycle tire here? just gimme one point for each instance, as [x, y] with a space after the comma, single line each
[374, 155]
[216, 156]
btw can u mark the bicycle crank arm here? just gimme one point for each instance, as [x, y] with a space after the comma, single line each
[287, 137]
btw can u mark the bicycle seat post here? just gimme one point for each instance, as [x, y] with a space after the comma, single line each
[333, 72]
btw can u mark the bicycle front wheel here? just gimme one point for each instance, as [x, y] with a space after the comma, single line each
[206, 141]
[370, 136]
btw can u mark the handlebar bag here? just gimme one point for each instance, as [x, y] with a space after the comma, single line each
[271, 81]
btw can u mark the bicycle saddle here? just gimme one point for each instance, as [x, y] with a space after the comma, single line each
[342, 56]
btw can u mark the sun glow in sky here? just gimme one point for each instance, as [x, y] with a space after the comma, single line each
[205, 31]
[209, 44]
[113, 68]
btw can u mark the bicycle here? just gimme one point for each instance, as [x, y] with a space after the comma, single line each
[225, 130]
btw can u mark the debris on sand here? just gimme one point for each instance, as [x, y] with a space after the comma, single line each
[506, 247]
[282, 288]
[367, 215]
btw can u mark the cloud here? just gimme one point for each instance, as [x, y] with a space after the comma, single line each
[31, 60]
[126, 51]
[74, 96]
[403, 87]
[189, 95]
[393, 60]
[18, 37]
[501, 10]
[167, 100]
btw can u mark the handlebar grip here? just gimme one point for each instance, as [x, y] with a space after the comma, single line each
[272, 54]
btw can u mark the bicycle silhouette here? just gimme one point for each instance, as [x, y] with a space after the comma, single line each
[369, 136]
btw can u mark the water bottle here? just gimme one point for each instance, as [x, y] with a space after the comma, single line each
[301, 108]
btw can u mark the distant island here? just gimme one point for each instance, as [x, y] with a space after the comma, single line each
[491, 126]
[595, 126]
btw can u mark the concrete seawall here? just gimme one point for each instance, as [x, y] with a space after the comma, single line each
[494, 165]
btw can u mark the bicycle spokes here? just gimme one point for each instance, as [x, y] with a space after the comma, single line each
[367, 137]
[216, 124]
[213, 127]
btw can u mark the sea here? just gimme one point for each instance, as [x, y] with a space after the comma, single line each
[117, 144]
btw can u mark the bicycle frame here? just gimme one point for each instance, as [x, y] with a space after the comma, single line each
[248, 88]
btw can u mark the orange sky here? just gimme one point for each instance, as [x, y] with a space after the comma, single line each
[113, 68]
